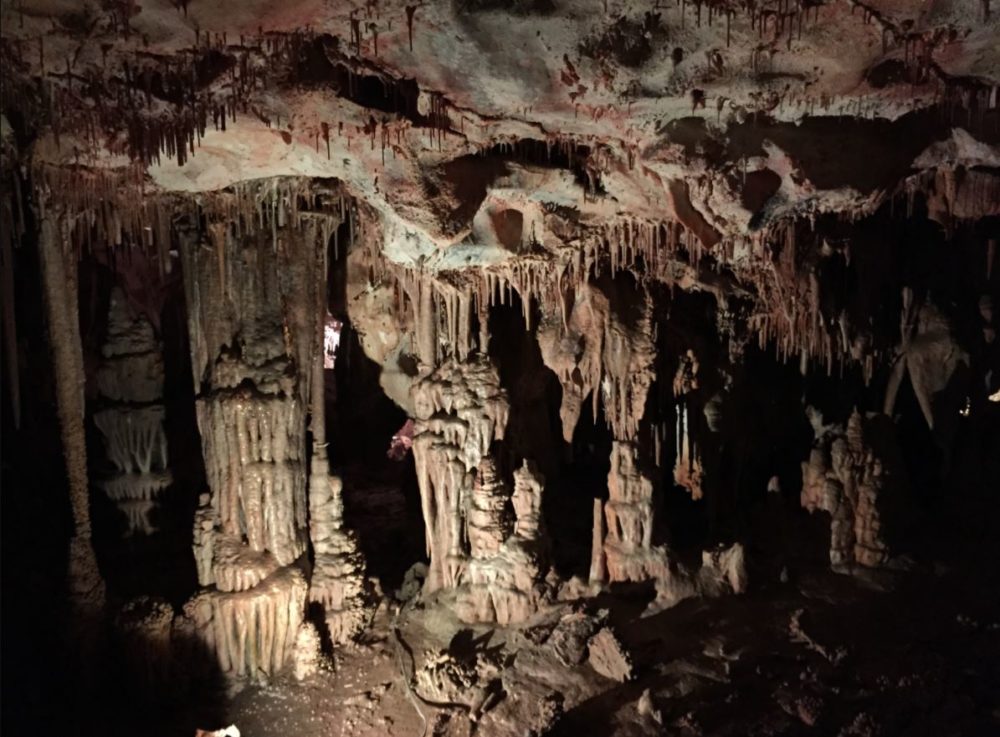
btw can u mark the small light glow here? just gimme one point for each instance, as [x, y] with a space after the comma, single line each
[995, 396]
[331, 341]
[401, 442]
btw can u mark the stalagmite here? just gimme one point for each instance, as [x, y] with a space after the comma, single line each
[598, 562]
[338, 582]
[130, 383]
[503, 580]
[460, 410]
[845, 478]
[628, 548]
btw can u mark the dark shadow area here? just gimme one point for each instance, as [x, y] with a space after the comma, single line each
[381, 497]
[62, 672]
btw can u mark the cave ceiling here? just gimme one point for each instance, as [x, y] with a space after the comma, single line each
[534, 138]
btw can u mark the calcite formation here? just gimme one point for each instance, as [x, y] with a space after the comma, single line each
[460, 411]
[845, 478]
[567, 235]
[338, 583]
[688, 469]
[307, 652]
[609, 657]
[628, 547]
[503, 581]
[130, 385]
[253, 632]
[253, 343]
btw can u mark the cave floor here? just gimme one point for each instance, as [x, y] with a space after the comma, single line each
[913, 651]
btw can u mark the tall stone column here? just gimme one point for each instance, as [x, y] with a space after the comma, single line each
[59, 283]
[250, 301]
[338, 583]
[628, 356]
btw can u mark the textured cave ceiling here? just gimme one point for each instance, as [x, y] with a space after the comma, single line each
[528, 136]
[728, 118]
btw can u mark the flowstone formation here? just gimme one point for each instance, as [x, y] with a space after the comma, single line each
[130, 385]
[628, 548]
[846, 477]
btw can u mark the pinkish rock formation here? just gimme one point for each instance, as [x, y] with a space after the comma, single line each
[628, 547]
[253, 342]
[460, 411]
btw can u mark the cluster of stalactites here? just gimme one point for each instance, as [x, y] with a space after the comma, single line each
[441, 305]
[130, 384]
[502, 581]
[253, 452]
[594, 352]
[845, 478]
[787, 314]
[460, 410]
[629, 353]
[688, 469]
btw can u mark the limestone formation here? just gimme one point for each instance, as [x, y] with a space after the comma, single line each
[847, 479]
[338, 582]
[253, 343]
[253, 632]
[307, 657]
[608, 656]
[628, 547]
[460, 410]
[504, 579]
[130, 384]
[586, 261]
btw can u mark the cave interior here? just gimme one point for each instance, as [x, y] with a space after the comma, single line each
[500, 368]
